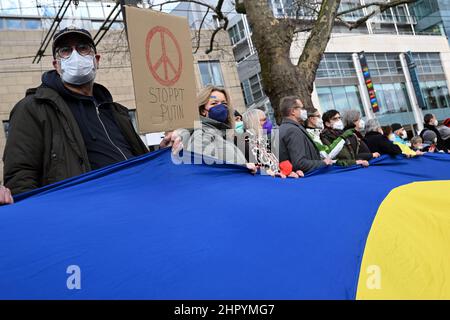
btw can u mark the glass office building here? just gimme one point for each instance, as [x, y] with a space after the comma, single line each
[337, 85]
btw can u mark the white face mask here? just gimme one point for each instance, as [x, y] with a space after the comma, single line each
[78, 69]
[404, 135]
[303, 114]
[435, 122]
[391, 137]
[338, 125]
[362, 124]
[319, 124]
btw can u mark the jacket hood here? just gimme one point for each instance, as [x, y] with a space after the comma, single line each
[51, 79]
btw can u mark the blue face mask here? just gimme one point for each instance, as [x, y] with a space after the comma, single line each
[268, 126]
[219, 113]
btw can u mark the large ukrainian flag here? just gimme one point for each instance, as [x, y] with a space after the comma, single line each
[149, 229]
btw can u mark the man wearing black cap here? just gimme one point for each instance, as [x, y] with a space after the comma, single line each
[69, 125]
[400, 134]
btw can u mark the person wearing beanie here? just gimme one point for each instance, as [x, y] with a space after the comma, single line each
[399, 136]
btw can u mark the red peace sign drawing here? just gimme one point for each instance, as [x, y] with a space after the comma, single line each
[163, 68]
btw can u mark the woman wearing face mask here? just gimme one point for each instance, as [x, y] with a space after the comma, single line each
[351, 119]
[215, 138]
[257, 144]
[350, 153]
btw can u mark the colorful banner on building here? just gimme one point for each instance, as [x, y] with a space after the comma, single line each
[368, 81]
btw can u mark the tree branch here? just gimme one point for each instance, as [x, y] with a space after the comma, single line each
[223, 20]
[199, 31]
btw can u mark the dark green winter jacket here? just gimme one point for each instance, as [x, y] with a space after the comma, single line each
[45, 144]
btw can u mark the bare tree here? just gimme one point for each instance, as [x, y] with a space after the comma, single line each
[273, 37]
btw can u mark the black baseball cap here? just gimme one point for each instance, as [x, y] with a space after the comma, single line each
[71, 30]
[396, 126]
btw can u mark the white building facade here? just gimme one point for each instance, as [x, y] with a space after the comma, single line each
[384, 39]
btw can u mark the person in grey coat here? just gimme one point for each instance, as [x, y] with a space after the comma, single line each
[295, 144]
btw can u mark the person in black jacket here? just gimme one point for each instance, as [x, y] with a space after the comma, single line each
[69, 125]
[430, 134]
[377, 141]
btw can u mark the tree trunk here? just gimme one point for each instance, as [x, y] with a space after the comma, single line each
[273, 38]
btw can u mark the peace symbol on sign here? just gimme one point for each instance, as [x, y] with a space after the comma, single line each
[163, 68]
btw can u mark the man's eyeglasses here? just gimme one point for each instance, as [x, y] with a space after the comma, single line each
[82, 49]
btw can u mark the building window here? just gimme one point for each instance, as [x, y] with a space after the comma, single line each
[435, 94]
[237, 32]
[14, 24]
[384, 64]
[392, 98]
[351, 16]
[428, 63]
[336, 65]
[211, 73]
[6, 127]
[423, 8]
[32, 24]
[252, 89]
[340, 98]
[248, 98]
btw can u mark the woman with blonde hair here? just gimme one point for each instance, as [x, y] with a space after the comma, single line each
[257, 127]
[214, 138]
[214, 103]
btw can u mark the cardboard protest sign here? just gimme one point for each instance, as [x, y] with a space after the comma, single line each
[163, 70]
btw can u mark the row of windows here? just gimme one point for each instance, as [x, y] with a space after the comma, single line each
[290, 8]
[340, 65]
[428, 63]
[392, 97]
[381, 64]
[423, 8]
[37, 24]
[49, 8]
[435, 94]
[340, 98]
[336, 65]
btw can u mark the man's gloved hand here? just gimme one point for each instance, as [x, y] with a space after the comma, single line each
[348, 133]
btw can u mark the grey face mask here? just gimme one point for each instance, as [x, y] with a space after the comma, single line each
[78, 69]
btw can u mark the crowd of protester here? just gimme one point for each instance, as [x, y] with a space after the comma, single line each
[305, 139]
[70, 125]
